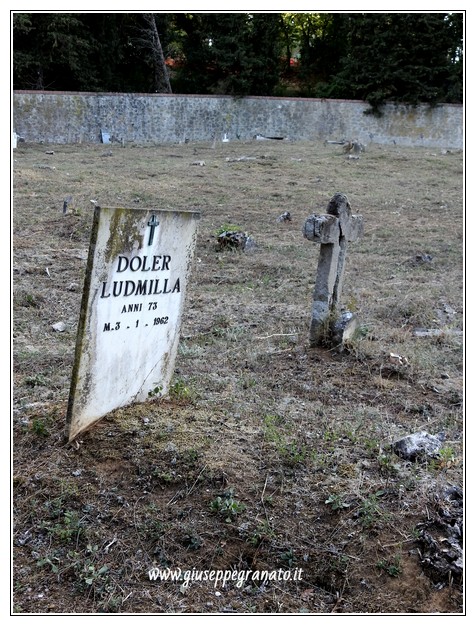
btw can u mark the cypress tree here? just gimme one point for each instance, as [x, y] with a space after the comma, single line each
[397, 57]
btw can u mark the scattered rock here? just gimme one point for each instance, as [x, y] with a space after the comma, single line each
[201, 163]
[418, 445]
[250, 244]
[441, 537]
[423, 258]
[419, 259]
[395, 365]
[260, 137]
[171, 447]
[341, 142]
[59, 327]
[284, 217]
[436, 332]
[24, 538]
[353, 148]
[397, 359]
[445, 314]
[235, 239]
[344, 328]
[239, 159]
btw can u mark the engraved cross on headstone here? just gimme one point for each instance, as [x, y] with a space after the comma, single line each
[153, 223]
[333, 231]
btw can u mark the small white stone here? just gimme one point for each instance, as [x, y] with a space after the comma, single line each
[59, 327]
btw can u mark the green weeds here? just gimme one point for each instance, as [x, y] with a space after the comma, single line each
[393, 566]
[227, 506]
[370, 511]
[336, 502]
[182, 391]
[290, 449]
[68, 528]
[227, 228]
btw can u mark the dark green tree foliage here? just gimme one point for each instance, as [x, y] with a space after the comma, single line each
[192, 63]
[230, 53]
[376, 57]
[320, 41]
[399, 57]
[81, 52]
[331, 46]
[309, 37]
[116, 64]
[264, 69]
[454, 90]
[50, 51]
[112, 66]
[146, 54]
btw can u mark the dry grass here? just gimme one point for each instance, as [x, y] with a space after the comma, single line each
[267, 454]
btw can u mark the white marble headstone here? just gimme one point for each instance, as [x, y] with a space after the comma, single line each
[131, 311]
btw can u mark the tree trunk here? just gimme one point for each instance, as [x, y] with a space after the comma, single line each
[162, 81]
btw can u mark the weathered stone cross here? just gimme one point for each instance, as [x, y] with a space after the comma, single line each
[332, 230]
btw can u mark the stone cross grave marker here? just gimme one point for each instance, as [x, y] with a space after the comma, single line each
[333, 231]
[138, 265]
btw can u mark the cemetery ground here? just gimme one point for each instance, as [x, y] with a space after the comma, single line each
[267, 455]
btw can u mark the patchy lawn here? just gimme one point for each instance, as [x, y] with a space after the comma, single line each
[267, 456]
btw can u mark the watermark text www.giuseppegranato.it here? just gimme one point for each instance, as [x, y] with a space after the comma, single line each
[222, 577]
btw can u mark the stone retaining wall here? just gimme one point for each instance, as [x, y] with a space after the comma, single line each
[68, 118]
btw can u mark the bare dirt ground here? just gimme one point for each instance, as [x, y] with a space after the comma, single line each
[267, 455]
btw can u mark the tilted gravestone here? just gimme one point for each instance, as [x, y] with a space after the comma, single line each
[333, 230]
[131, 310]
